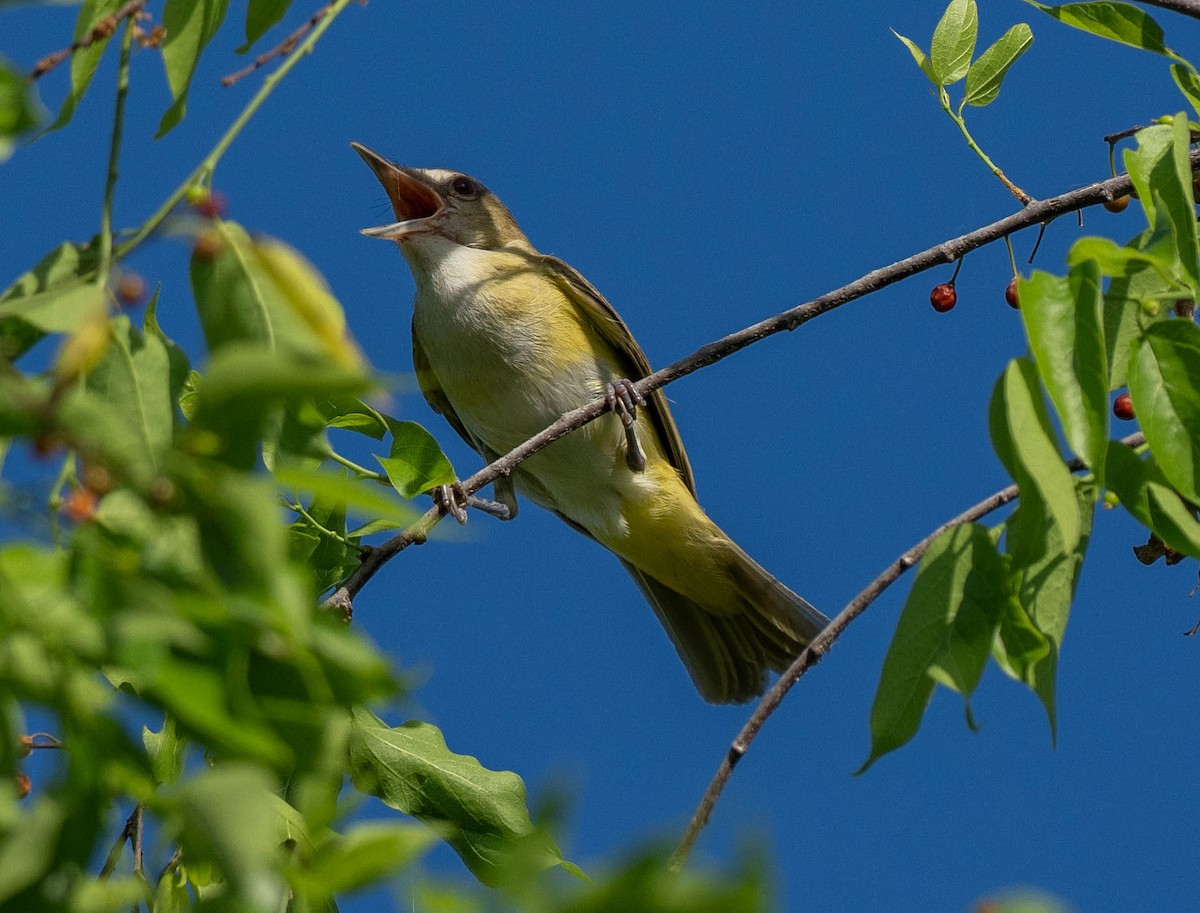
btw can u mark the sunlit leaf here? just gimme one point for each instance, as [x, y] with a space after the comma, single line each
[1121, 22]
[954, 42]
[986, 74]
[85, 60]
[415, 462]
[190, 25]
[919, 56]
[1164, 382]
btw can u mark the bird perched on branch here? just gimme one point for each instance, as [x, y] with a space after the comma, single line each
[505, 340]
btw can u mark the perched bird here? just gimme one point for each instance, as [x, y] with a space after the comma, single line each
[505, 340]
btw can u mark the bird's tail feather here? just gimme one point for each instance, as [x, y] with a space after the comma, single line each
[728, 651]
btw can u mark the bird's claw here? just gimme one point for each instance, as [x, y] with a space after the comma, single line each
[452, 500]
[623, 399]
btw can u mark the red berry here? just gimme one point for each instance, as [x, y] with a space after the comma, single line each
[943, 297]
[211, 205]
[1117, 204]
[131, 289]
[80, 505]
[24, 746]
[1123, 407]
[1010, 294]
[24, 784]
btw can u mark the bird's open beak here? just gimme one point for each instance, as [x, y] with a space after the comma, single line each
[414, 202]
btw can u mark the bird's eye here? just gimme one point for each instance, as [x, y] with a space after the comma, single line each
[464, 187]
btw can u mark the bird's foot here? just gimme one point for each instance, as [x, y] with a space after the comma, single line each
[454, 502]
[623, 399]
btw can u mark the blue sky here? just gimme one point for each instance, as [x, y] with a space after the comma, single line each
[705, 166]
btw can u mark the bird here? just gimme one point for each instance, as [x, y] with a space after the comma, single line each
[505, 340]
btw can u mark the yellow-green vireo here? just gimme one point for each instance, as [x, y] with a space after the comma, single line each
[505, 340]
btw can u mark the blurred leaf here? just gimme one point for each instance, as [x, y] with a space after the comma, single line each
[987, 73]
[190, 25]
[367, 853]
[1120, 22]
[479, 812]
[85, 60]
[1024, 440]
[304, 290]
[53, 297]
[27, 851]
[260, 16]
[415, 462]
[20, 109]
[353, 414]
[353, 495]
[1164, 382]
[176, 358]
[919, 56]
[954, 42]
[944, 633]
[165, 750]
[134, 378]
[1144, 493]
[227, 815]
[1064, 321]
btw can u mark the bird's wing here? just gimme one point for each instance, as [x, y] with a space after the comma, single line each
[604, 318]
[431, 388]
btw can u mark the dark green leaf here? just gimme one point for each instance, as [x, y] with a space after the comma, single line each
[954, 42]
[1164, 382]
[1064, 321]
[190, 25]
[987, 73]
[85, 60]
[1024, 440]
[481, 813]
[20, 109]
[1144, 493]
[415, 462]
[1120, 22]
[919, 56]
[260, 16]
[1189, 84]
[944, 634]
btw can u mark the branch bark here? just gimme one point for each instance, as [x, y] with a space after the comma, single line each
[820, 645]
[1038, 212]
[1186, 7]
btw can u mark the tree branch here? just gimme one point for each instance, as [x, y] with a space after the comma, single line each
[820, 645]
[1041, 211]
[102, 30]
[1187, 7]
[282, 49]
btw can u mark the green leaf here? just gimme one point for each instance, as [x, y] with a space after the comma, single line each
[176, 358]
[987, 73]
[1024, 440]
[1188, 81]
[53, 297]
[367, 853]
[260, 16]
[1124, 313]
[166, 751]
[20, 109]
[1045, 588]
[1162, 175]
[944, 634]
[134, 378]
[1120, 22]
[919, 56]
[1143, 492]
[85, 60]
[954, 42]
[1064, 321]
[228, 816]
[190, 25]
[481, 813]
[1117, 260]
[1164, 383]
[415, 463]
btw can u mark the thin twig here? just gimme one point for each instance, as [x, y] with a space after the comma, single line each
[1187, 7]
[114, 156]
[820, 645]
[282, 49]
[132, 831]
[101, 31]
[1039, 211]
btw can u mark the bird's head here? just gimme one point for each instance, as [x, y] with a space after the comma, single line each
[433, 202]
